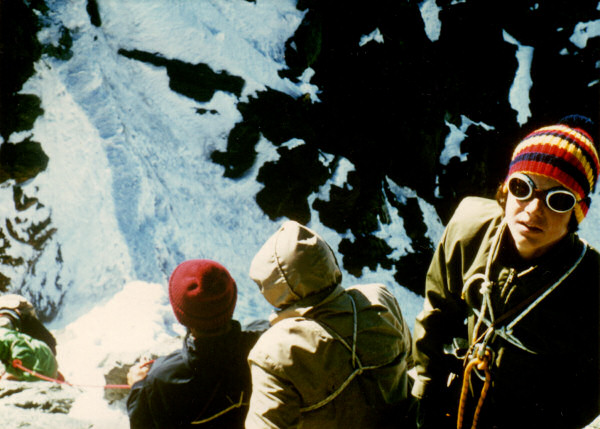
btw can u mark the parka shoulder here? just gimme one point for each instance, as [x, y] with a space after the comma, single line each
[275, 349]
[471, 216]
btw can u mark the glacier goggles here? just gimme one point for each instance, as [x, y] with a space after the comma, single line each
[557, 199]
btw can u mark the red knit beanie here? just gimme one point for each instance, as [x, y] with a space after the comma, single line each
[203, 294]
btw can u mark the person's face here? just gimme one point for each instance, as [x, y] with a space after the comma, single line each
[533, 226]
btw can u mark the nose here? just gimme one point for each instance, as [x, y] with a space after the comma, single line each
[534, 205]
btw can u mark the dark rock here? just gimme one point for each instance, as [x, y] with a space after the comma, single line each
[92, 10]
[21, 161]
[197, 81]
[117, 376]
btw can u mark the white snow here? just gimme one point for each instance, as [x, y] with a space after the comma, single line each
[308, 88]
[373, 36]
[455, 137]
[435, 228]
[584, 31]
[452, 144]
[430, 13]
[518, 96]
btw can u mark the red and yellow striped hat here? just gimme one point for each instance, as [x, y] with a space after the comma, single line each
[563, 153]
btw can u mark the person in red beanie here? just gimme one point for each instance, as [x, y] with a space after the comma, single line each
[508, 336]
[207, 382]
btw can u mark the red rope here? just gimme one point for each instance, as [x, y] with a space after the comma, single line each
[17, 363]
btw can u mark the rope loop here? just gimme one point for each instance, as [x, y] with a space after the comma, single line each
[357, 365]
[483, 364]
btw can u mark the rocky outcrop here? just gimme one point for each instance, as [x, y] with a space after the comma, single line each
[37, 405]
[45, 404]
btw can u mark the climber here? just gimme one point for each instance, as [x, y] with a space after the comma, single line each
[333, 357]
[508, 334]
[206, 383]
[25, 340]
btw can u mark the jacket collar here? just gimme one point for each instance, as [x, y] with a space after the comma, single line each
[200, 350]
[563, 252]
[302, 307]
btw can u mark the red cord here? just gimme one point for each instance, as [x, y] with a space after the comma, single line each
[17, 363]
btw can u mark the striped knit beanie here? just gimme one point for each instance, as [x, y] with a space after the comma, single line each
[562, 152]
[203, 294]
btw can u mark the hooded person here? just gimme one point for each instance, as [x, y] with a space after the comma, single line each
[333, 357]
[207, 382]
[25, 340]
[508, 335]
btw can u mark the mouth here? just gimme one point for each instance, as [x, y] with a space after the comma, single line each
[531, 227]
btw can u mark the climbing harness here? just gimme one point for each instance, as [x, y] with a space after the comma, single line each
[359, 368]
[479, 355]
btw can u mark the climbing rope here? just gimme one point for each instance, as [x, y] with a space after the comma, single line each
[355, 360]
[483, 364]
[486, 286]
[495, 326]
[233, 406]
[359, 368]
[17, 363]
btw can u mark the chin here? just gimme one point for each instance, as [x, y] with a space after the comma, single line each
[526, 246]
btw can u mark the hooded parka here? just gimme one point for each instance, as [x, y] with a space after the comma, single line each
[545, 367]
[333, 357]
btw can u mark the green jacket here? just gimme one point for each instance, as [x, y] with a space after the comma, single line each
[34, 354]
[546, 370]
